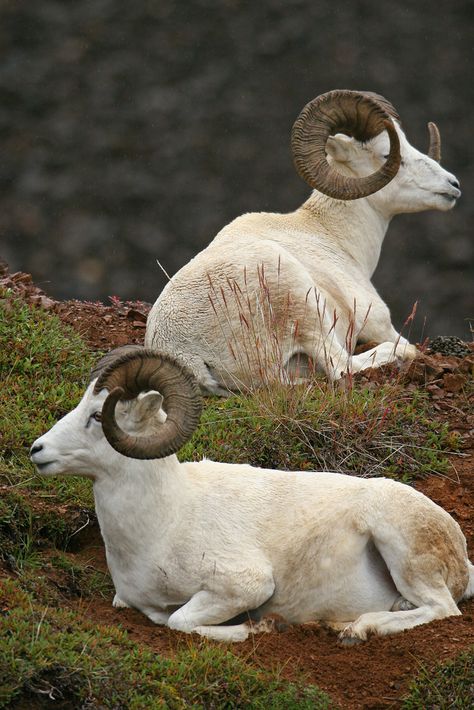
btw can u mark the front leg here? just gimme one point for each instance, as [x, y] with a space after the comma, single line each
[378, 327]
[119, 604]
[400, 346]
[206, 609]
[203, 613]
[158, 617]
[383, 354]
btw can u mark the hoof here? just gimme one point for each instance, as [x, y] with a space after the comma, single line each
[349, 641]
[119, 604]
[270, 624]
[402, 604]
[407, 352]
[348, 637]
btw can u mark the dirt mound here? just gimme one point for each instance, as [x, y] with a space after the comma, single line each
[101, 326]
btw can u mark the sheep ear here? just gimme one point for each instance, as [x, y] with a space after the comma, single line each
[339, 147]
[147, 405]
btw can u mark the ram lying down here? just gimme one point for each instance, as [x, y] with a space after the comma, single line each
[274, 296]
[193, 545]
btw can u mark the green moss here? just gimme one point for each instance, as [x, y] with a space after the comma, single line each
[49, 651]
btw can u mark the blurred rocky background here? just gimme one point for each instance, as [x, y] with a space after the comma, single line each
[131, 132]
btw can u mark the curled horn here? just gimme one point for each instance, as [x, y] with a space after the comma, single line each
[110, 357]
[362, 115]
[141, 370]
[434, 151]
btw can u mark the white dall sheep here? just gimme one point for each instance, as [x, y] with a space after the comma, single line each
[274, 290]
[192, 545]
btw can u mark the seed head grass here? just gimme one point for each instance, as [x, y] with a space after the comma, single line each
[320, 426]
[275, 421]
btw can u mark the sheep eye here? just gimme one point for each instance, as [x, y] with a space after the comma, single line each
[97, 416]
[385, 157]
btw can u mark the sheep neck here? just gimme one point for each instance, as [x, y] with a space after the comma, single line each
[364, 227]
[140, 496]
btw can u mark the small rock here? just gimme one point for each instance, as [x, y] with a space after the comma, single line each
[133, 314]
[20, 277]
[424, 370]
[454, 382]
[43, 301]
[435, 391]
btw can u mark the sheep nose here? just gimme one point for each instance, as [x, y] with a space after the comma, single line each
[455, 183]
[35, 449]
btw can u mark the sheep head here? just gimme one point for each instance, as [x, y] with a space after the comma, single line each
[361, 115]
[132, 386]
[140, 370]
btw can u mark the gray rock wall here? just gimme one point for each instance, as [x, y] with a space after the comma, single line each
[135, 131]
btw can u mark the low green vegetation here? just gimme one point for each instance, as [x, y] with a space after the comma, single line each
[43, 368]
[26, 527]
[369, 432]
[51, 652]
[80, 578]
[449, 685]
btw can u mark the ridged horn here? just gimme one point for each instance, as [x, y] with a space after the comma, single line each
[110, 357]
[362, 115]
[139, 371]
[434, 151]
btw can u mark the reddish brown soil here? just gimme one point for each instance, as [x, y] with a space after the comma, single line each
[370, 675]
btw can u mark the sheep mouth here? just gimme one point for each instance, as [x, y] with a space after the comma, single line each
[42, 466]
[449, 196]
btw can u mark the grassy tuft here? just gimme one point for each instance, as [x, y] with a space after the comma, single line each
[450, 685]
[383, 431]
[80, 579]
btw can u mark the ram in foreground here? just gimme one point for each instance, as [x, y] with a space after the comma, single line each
[274, 294]
[193, 545]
